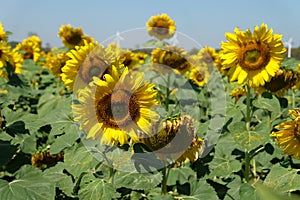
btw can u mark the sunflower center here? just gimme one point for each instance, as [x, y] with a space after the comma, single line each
[199, 76]
[118, 110]
[73, 38]
[92, 67]
[28, 54]
[297, 130]
[254, 56]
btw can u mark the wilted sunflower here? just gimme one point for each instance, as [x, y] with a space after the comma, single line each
[30, 48]
[5, 54]
[86, 62]
[173, 138]
[170, 58]
[281, 82]
[288, 135]
[161, 26]
[116, 107]
[72, 37]
[3, 36]
[252, 56]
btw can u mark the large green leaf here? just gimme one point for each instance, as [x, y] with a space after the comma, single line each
[64, 141]
[137, 181]
[27, 143]
[29, 184]
[223, 163]
[79, 160]
[95, 188]
[283, 179]
[181, 175]
[61, 180]
[201, 190]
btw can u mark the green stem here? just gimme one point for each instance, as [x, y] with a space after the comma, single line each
[112, 172]
[165, 175]
[167, 93]
[77, 184]
[248, 121]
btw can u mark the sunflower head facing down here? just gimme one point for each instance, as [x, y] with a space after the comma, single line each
[161, 26]
[173, 138]
[30, 48]
[170, 58]
[252, 57]
[72, 37]
[114, 108]
[288, 135]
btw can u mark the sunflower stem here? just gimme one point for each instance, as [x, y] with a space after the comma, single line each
[247, 166]
[165, 175]
[248, 122]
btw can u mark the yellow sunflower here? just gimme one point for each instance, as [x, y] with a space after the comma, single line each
[238, 93]
[253, 57]
[198, 74]
[161, 26]
[170, 58]
[72, 37]
[116, 107]
[173, 138]
[30, 48]
[86, 62]
[55, 62]
[209, 56]
[3, 36]
[5, 53]
[288, 135]
[131, 59]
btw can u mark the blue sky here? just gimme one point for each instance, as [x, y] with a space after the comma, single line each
[204, 21]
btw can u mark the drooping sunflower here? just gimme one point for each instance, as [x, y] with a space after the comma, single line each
[3, 36]
[161, 26]
[281, 82]
[170, 58]
[252, 56]
[86, 62]
[174, 138]
[116, 107]
[72, 37]
[132, 59]
[30, 48]
[209, 56]
[288, 135]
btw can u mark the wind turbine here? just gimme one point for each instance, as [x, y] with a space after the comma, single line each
[118, 38]
[289, 46]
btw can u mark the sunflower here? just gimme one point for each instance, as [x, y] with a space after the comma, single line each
[199, 76]
[30, 48]
[5, 54]
[55, 62]
[16, 62]
[253, 57]
[161, 26]
[238, 93]
[118, 106]
[86, 62]
[132, 59]
[3, 36]
[173, 138]
[281, 82]
[170, 58]
[209, 56]
[72, 37]
[288, 135]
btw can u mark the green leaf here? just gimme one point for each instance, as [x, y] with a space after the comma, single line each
[27, 143]
[30, 184]
[234, 187]
[223, 163]
[269, 102]
[182, 175]
[201, 190]
[150, 43]
[283, 179]
[64, 141]
[137, 181]
[290, 64]
[95, 188]
[247, 192]
[61, 180]
[78, 160]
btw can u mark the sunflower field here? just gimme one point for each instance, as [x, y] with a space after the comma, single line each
[159, 122]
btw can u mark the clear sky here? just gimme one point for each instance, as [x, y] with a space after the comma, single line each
[204, 21]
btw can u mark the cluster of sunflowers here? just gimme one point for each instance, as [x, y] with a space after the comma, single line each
[115, 105]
